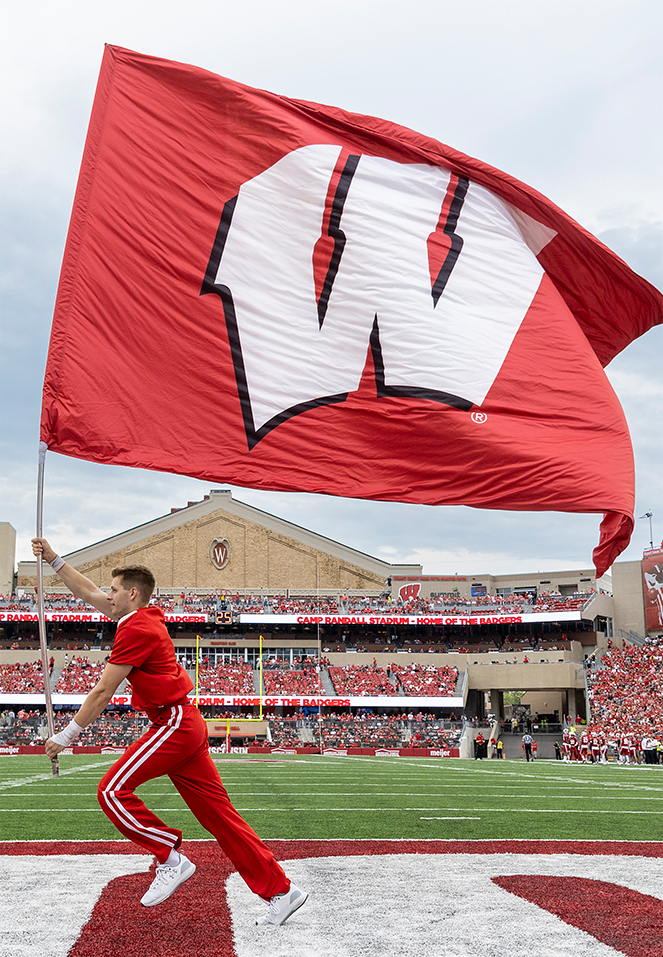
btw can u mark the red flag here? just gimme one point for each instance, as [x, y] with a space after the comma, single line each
[284, 295]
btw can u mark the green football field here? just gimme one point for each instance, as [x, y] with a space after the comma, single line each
[312, 797]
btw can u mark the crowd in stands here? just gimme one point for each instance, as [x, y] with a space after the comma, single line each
[552, 601]
[109, 730]
[286, 732]
[15, 603]
[119, 730]
[360, 680]
[626, 690]
[79, 676]
[350, 731]
[426, 680]
[366, 730]
[189, 604]
[361, 730]
[292, 683]
[225, 679]
[446, 604]
[26, 678]
[325, 605]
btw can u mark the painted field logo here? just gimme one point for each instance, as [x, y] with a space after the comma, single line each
[409, 592]
[219, 553]
[592, 899]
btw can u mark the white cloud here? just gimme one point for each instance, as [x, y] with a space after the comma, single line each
[574, 112]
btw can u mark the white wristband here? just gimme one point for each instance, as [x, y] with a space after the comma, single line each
[57, 563]
[67, 736]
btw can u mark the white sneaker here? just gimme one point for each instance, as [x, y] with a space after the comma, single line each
[282, 906]
[167, 880]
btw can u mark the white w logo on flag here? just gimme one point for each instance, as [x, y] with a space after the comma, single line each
[433, 273]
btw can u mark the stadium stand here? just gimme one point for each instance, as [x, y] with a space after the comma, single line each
[226, 679]
[369, 730]
[292, 683]
[425, 680]
[79, 676]
[626, 690]
[360, 680]
[109, 730]
[24, 678]
[312, 604]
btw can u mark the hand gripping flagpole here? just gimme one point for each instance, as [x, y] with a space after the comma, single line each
[40, 605]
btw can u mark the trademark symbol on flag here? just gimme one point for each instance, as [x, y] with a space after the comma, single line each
[479, 417]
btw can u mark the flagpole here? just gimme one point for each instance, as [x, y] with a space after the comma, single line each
[41, 613]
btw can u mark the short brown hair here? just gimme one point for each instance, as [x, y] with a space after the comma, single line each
[136, 576]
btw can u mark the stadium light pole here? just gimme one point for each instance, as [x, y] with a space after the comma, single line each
[41, 612]
[650, 515]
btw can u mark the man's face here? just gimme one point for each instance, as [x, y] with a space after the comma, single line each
[121, 599]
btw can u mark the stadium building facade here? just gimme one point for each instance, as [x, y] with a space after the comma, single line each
[236, 582]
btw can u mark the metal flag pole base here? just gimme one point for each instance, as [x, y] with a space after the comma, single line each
[55, 763]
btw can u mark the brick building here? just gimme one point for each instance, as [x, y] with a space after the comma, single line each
[222, 544]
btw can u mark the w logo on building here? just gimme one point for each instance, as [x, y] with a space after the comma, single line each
[409, 592]
[219, 553]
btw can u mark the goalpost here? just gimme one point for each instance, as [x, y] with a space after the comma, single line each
[227, 727]
[235, 727]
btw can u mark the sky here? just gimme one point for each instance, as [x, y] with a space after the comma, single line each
[565, 96]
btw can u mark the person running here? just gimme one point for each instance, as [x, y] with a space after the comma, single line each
[574, 754]
[176, 744]
[527, 746]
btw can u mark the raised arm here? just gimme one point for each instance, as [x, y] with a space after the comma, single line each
[81, 586]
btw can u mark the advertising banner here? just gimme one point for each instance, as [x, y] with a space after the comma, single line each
[88, 616]
[254, 701]
[16, 749]
[652, 573]
[394, 618]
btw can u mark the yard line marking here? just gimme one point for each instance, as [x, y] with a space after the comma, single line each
[351, 810]
[319, 793]
[449, 818]
[47, 775]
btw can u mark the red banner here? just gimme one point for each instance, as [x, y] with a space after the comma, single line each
[337, 752]
[89, 616]
[289, 296]
[652, 573]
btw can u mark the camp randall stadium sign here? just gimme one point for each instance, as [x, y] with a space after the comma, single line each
[374, 898]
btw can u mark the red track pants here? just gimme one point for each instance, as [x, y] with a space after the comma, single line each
[176, 745]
